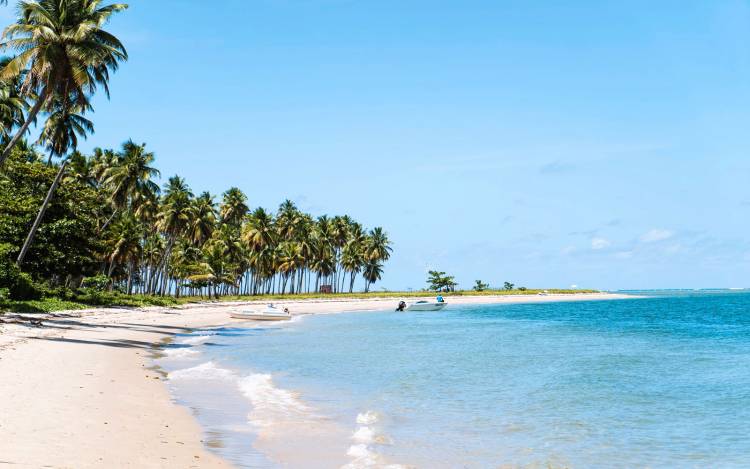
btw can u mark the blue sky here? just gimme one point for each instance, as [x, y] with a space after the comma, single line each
[601, 144]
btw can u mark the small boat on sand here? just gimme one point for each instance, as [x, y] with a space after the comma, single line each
[423, 305]
[269, 313]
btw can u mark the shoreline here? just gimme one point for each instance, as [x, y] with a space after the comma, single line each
[88, 380]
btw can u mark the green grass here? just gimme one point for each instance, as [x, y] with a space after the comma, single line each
[81, 300]
[71, 300]
[45, 305]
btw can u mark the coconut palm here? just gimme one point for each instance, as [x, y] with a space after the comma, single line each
[62, 128]
[233, 249]
[372, 273]
[259, 236]
[323, 261]
[12, 104]
[62, 51]
[153, 251]
[126, 247]
[287, 219]
[290, 260]
[129, 176]
[187, 261]
[233, 207]
[80, 170]
[59, 135]
[259, 232]
[352, 258]
[101, 162]
[218, 267]
[203, 219]
[378, 246]
[172, 221]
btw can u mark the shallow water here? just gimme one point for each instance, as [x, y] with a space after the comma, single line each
[662, 381]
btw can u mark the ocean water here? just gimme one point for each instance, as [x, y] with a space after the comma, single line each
[660, 381]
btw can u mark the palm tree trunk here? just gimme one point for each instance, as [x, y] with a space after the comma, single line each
[165, 263]
[111, 267]
[107, 222]
[29, 118]
[40, 215]
[130, 277]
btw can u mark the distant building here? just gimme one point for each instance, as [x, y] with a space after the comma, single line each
[326, 289]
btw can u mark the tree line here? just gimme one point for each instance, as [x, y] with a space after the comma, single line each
[68, 218]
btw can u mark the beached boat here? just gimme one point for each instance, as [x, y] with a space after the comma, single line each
[424, 305]
[269, 313]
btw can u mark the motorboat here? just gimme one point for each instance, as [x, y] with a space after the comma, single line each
[269, 313]
[424, 305]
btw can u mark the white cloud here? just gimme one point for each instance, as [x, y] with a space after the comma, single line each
[655, 235]
[599, 243]
[624, 254]
[673, 249]
[567, 250]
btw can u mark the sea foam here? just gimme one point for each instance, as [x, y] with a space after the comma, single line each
[364, 437]
[195, 339]
[271, 403]
[204, 371]
[180, 352]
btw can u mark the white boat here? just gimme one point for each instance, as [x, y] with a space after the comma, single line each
[424, 305]
[269, 313]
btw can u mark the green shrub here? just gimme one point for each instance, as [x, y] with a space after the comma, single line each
[24, 288]
[98, 282]
[19, 284]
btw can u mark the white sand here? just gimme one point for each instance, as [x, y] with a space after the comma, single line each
[80, 391]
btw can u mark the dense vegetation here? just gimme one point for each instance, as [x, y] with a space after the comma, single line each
[99, 228]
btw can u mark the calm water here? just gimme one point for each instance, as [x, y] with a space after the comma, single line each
[657, 382]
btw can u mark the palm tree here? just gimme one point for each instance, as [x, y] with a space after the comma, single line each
[80, 170]
[259, 236]
[233, 249]
[126, 247]
[203, 219]
[286, 220]
[290, 260]
[59, 135]
[172, 220]
[101, 162]
[129, 177]
[351, 261]
[378, 245]
[323, 261]
[372, 273]
[62, 128]
[218, 267]
[339, 237]
[187, 261]
[130, 172]
[12, 104]
[153, 251]
[233, 207]
[63, 51]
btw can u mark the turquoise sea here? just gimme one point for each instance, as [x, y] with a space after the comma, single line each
[658, 381]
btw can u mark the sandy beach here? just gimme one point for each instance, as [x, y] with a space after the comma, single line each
[80, 389]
